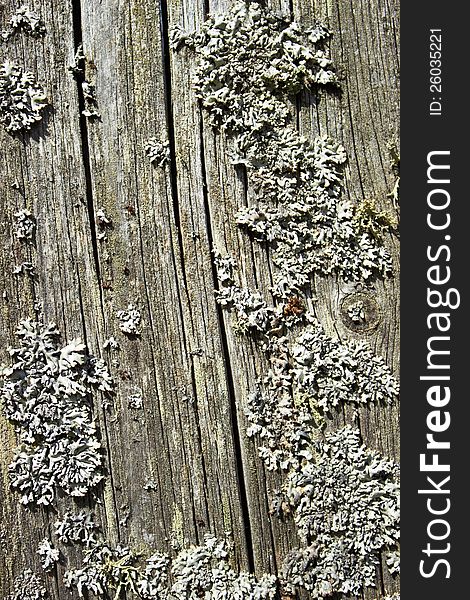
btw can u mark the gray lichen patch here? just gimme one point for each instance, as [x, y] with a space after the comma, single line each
[311, 375]
[24, 20]
[102, 220]
[111, 343]
[357, 312]
[360, 312]
[158, 152]
[46, 394]
[253, 315]
[310, 365]
[251, 63]
[22, 99]
[346, 507]
[129, 320]
[49, 555]
[104, 223]
[330, 373]
[393, 561]
[135, 400]
[91, 105]
[77, 528]
[24, 226]
[197, 572]
[78, 64]
[28, 586]
[25, 268]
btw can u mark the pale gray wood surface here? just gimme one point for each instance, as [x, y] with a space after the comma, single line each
[194, 371]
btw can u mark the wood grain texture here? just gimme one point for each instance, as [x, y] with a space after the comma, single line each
[193, 371]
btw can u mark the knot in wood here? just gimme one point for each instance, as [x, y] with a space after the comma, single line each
[360, 312]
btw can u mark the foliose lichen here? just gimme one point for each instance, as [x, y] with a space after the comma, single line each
[329, 373]
[356, 312]
[22, 99]
[310, 375]
[111, 344]
[393, 561]
[25, 268]
[46, 394]
[135, 400]
[197, 572]
[104, 223]
[102, 220]
[253, 315]
[24, 226]
[49, 555]
[24, 20]
[346, 506]
[77, 528]
[251, 62]
[28, 586]
[78, 65]
[158, 152]
[129, 320]
[311, 365]
[91, 105]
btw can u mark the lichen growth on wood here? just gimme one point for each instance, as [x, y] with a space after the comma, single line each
[356, 312]
[24, 226]
[49, 555]
[91, 104]
[346, 507]
[111, 343]
[25, 268]
[129, 320]
[311, 375]
[24, 20]
[393, 561]
[46, 394]
[28, 586]
[78, 65]
[201, 571]
[22, 99]
[77, 528]
[251, 62]
[158, 152]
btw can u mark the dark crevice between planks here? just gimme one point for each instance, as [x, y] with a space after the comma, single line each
[228, 371]
[166, 63]
[80, 78]
[86, 161]
[168, 86]
[147, 287]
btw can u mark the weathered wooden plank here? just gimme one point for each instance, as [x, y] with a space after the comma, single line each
[365, 118]
[156, 255]
[369, 173]
[181, 466]
[43, 171]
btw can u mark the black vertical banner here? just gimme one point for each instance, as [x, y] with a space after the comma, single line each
[435, 269]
